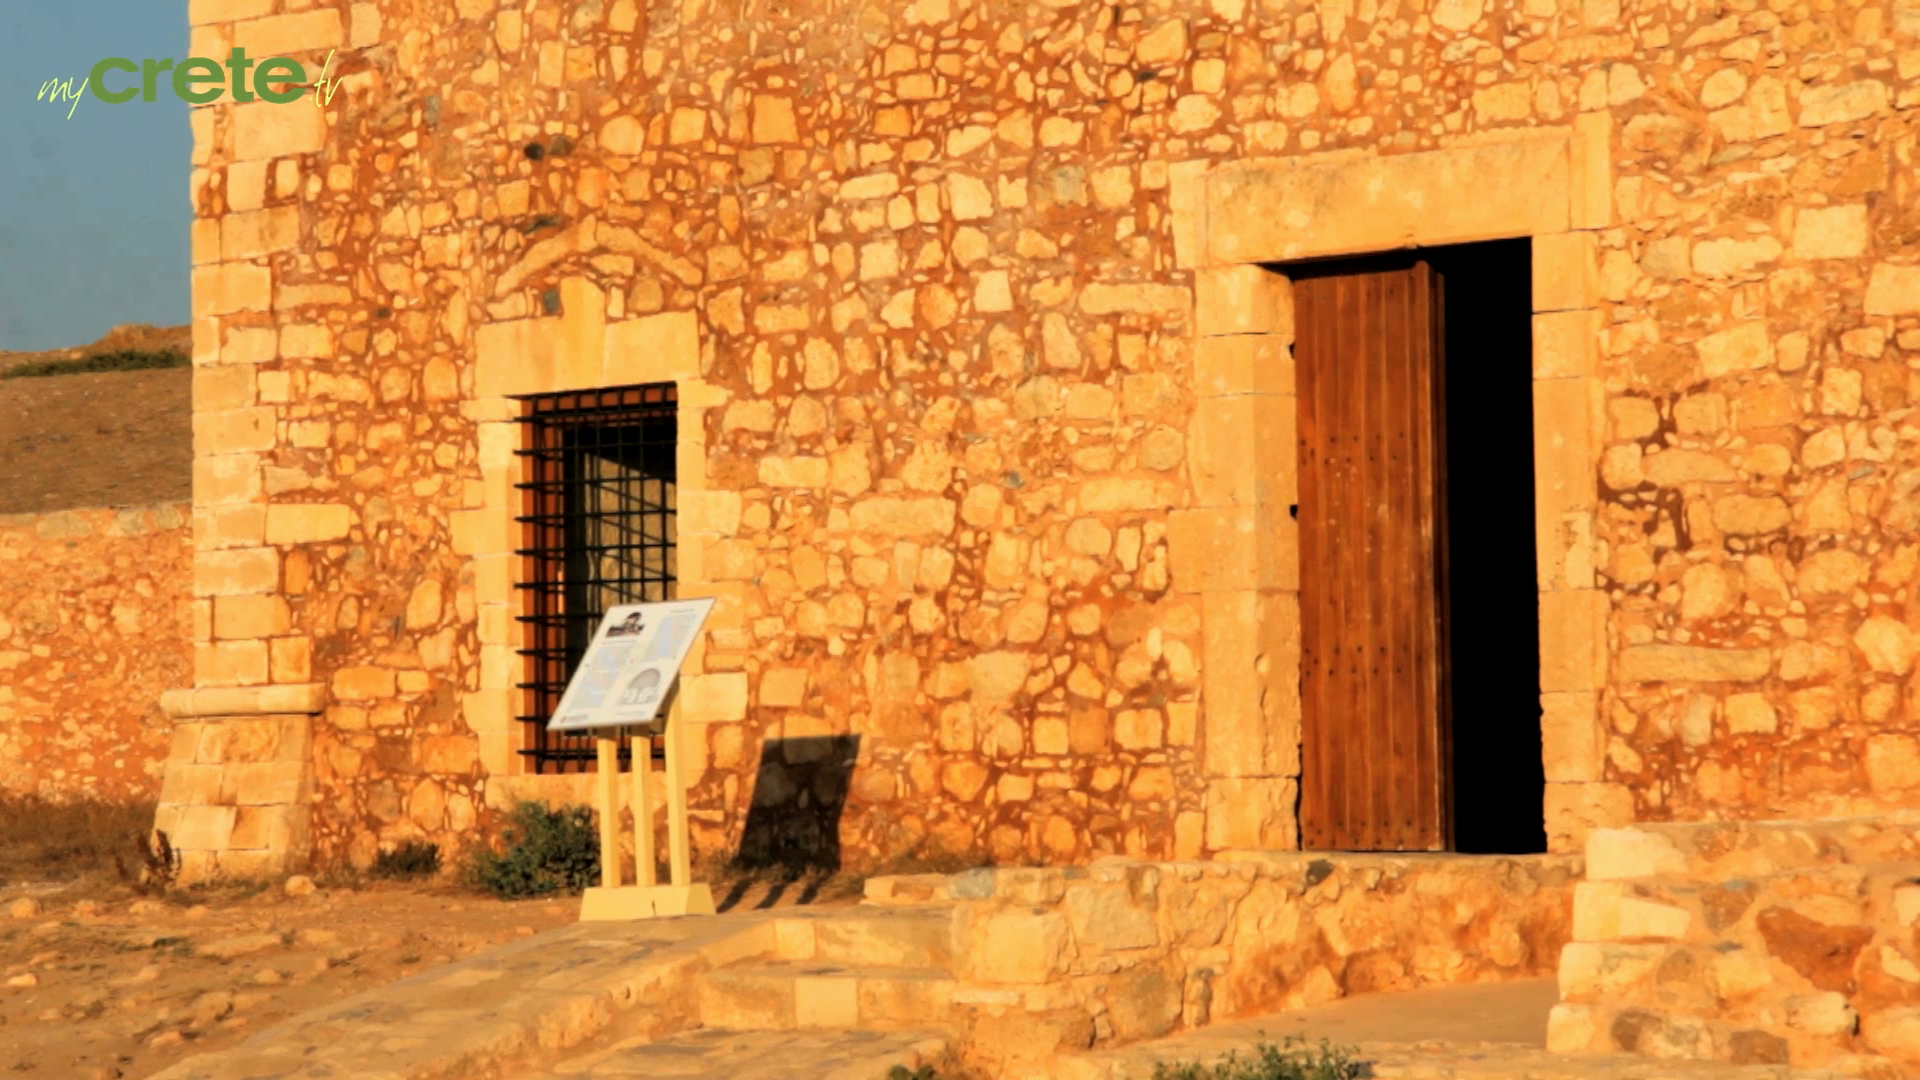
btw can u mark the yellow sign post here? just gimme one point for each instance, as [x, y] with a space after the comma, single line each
[631, 666]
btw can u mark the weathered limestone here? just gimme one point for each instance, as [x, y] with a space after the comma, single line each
[236, 801]
[1752, 943]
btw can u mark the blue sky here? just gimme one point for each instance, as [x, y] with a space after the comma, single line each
[94, 219]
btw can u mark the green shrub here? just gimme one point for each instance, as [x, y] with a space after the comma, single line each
[547, 852]
[413, 859]
[901, 1072]
[117, 360]
[1292, 1060]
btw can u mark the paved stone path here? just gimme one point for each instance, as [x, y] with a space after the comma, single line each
[536, 997]
[757, 1055]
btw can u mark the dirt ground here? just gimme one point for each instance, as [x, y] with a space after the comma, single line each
[119, 438]
[121, 986]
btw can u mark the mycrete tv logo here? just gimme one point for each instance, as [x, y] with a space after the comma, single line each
[187, 78]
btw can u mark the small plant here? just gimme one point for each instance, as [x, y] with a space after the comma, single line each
[116, 360]
[159, 864]
[411, 860]
[547, 852]
[1292, 1060]
[901, 1072]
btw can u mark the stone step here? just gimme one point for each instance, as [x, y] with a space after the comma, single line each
[784, 996]
[1441, 1061]
[1812, 1032]
[1813, 984]
[907, 889]
[1750, 849]
[755, 1055]
[919, 937]
[1882, 896]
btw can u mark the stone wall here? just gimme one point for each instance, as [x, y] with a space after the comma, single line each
[1051, 960]
[924, 275]
[94, 625]
[1777, 942]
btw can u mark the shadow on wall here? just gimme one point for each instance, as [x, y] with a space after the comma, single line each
[793, 825]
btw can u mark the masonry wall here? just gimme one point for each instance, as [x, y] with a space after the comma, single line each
[916, 269]
[94, 611]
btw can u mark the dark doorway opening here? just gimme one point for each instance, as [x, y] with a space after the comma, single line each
[1499, 781]
[1419, 594]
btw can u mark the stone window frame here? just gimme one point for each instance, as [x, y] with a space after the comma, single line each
[1236, 226]
[576, 349]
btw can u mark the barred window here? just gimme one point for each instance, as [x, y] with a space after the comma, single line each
[598, 530]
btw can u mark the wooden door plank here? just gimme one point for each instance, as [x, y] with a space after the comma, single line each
[1308, 305]
[1423, 771]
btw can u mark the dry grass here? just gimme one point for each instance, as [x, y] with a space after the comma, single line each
[69, 843]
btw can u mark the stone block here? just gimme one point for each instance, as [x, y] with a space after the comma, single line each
[264, 783]
[218, 389]
[230, 663]
[1252, 814]
[1243, 364]
[1573, 740]
[1566, 345]
[1603, 911]
[1625, 854]
[262, 130]
[307, 523]
[1692, 663]
[1247, 299]
[250, 616]
[714, 698]
[292, 35]
[1574, 1029]
[1250, 683]
[203, 828]
[783, 688]
[516, 356]
[1010, 945]
[1107, 918]
[250, 701]
[1567, 417]
[259, 232]
[1573, 640]
[228, 478]
[1893, 289]
[1273, 210]
[1233, 548]
[363, 684]
[1592, 972]
[1187, 204]
[242, 525]
[1242, 451]
[227, 288]
[188, 783]
[233, 431]
[290, 659]
[1566, 275]
[1573, 811]
[1590, 165]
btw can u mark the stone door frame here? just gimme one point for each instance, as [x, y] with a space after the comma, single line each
[1236, 546]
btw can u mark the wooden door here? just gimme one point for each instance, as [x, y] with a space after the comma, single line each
[1374, 754]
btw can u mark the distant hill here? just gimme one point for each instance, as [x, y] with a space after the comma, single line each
[113, 438]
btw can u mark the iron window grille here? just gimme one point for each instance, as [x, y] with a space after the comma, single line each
[597, 521]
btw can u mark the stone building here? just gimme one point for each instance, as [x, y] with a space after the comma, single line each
[1155, 429]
